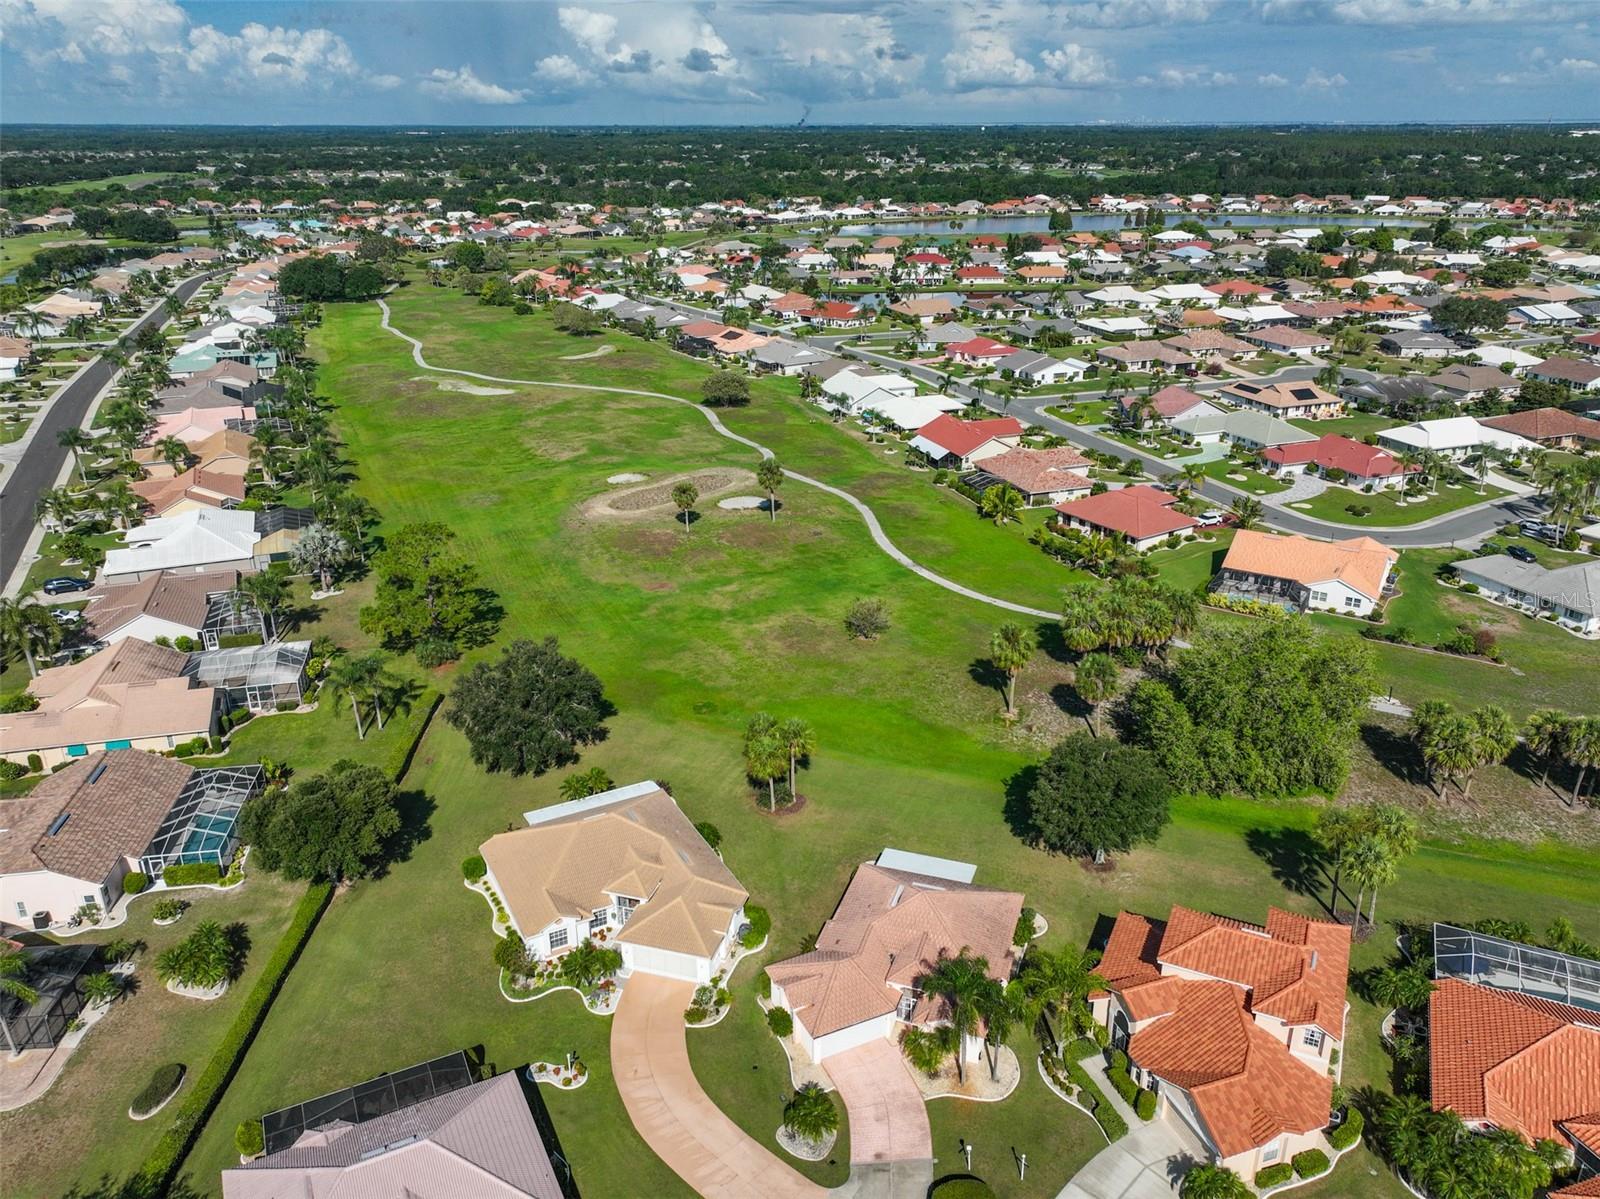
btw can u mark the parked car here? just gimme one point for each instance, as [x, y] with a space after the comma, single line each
[1522, 553]
[66, 615]
[1534, 528]
[1209, 518]
[62, 584]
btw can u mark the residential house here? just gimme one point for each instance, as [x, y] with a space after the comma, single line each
[204, 539]
[896, 920]
[1206, 344]
[1404, 392]
[197, 606]
[225, 452]
[1545, 314]
[948, 333]
[71, 841]
[1143, 515]
[1569, 372]
[1238, 1028]
[1283, 339]
[785, 357]
[857, 387]
[15, 355]
[1043, 477]
[1145, 356]
[979, 351]
[1298, 573]
[1553, 428]
[1340, 459]
[1571, 593]
[132, 695]
[1516, 362]
[1250, 430]
[955, 444]
[194, 488]
[713, 337]
[1455, 437]
[925, 310]
[1038, 370]
[479, 1139]
[1466, 384]
[1405, 344]
[1288, 401]
[195, 425]
[627, 866]
[836, 314]
[1165, 406]
[1117, 326]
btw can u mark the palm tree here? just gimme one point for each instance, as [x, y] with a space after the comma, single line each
[121, 502]
[269, 591]
[174, 452]
[1001, 503]
[1096, 680]
[998, 1009]
[1012, 648]
[765, 756]
[770, 475]
[1207, 1181]
[1449, 747]
[1191, 474]
[77, 440]
[25, 623]
[1058, 984]
[811, 1115]
[268, 454]
[1372, 864]
[346, 680]
[55, 506]
[960, 981]
[684, 496]
[1583, 750]
[101, 988]
[1337, 829]
[799, 741]
[14, 977]
[1494, 736]
[1247, 512]
[373, 669]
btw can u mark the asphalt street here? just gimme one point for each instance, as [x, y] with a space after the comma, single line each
[36, 473]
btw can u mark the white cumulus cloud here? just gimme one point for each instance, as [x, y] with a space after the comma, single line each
[464, 86]
[1078, 66]
[1320, 81]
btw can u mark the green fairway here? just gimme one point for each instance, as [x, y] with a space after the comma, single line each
[691, 632]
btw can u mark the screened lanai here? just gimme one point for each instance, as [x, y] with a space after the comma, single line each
[1511, 966]
[200, 825]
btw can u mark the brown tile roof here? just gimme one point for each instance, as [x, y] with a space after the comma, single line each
[1520, 1061]
[179, 598]
[111, 817]
[1360, 562]
[889, 930]
[198, 484]
[1589, 1188]
[1197, 341]
[1246, 1086]
[1566, 370]
[1138, 512]
[1036, 472]
[1537, 424]
[1172, 400]
[645, 848]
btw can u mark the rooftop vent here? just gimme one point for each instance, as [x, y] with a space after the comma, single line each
[898, 892]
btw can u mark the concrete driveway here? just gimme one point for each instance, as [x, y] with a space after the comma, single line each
[650, 1059]
[1148, 1163]
[888, 1120]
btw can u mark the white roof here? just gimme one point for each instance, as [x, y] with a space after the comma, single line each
[912, 412]
[1454, 433]
[1116, 324]
[1548, 312]
[601, 799]
[757, 291]
[1121, 294]
[1255, 312]
[921, 863]
[854, 386]
[196, 538]
[1186, 291]
[1495, 355]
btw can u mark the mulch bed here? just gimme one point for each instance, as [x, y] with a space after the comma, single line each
[796, 805]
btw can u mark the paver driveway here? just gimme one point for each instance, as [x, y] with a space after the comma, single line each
[888, 1119]
[1148, 1163]
[650, 1059]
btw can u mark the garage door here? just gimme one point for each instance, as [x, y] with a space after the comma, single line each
[665, 962]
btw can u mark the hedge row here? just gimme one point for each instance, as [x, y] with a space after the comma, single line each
[1348, 1133]
[189, 874]
[1109, 1119]
[1310, 1163]
[1274, 1175]
[403, 750]
[159, 1168]
[162, 1084]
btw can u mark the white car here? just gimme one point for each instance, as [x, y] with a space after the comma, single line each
[1209, 518]
[66, 615]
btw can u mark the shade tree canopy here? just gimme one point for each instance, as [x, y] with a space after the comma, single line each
[337, 826]
[1093, 796]
[530, 709]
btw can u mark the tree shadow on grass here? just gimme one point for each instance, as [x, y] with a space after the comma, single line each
[1296, 859]
[238, 937]
[1052, 642]
[415, 808]
[986, 674]
[1017, 813]
[1395, 752]
[1066, 698]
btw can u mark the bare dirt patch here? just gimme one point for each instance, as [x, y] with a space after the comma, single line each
[657, 497]
[600, 353]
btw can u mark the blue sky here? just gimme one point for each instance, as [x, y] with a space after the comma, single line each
[771, 61]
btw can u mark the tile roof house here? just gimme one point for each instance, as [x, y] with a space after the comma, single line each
[1573, 372]
[1505, 1059]
[979, 351]
[132, 695]
[861, 982]
[1142, 514]
[955, 444]
[1555, 428]
[1289, 340]
[1359, 464]
[1044, 477]
[1299, 573]
[160, 605]
[1288, 401]
[626, 862]
[723, 340]
[1168, 404]
[479, 1140]
[1235, 1025]
[194, 488]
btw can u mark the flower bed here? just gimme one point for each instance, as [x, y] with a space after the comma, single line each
[556, 1075]
[806, 1151]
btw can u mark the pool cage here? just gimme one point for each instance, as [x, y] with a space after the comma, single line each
[1511, 966]
[57, 975]
[200, 826]
[228, 614]
[258, 677]
[368, 1100]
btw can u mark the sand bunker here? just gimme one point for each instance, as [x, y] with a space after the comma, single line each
[461, 385]
[655, 498]
[600, 353]
[742, 502]
[627, 476]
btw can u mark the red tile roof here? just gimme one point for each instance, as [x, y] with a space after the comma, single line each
[1238, 287]
[979, 347]
[1517, 1060]
[1540, 423]
[1167, 403]
[1334, 451]
[961, 437]
[1589, 1188]
[1137, 512]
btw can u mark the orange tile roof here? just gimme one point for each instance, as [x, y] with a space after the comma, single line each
[1517, 1060]
[1035, 472]
[1589, 1188]
[1359, 562]
[1130, 953]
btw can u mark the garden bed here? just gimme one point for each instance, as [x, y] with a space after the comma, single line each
[562, 1078]
[806, 1151]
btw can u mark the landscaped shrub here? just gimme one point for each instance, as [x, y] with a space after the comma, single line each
[189, 874]
[35, 763]
[760, 921]
[1274, 1175]
[1092, 1097]
[1024, 930]
[134, 882]
[1124, 1085]
[159, 1167]
[10, 770]
[206, 958]
[1309, 1163]
[1348, 1133]
[780, 1021]
[1145, 1105]
[764, 985]
[167, 909]
[867, 619]
[248, 1138]
[474, 868]
[162, 1084]
[410, 735]
[433, 652]
[709, 833]
[695, 1015]
[510, 954]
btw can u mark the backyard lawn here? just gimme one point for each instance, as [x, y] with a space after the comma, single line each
[1386, 508]
[1193, 563]
[691, 632]
[1355, 425]
[1245, 478]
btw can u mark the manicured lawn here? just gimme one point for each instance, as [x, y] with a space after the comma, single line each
[80, 1128]
[1085, 412]
[1253, 481]
[1163, 447]
[692, 632]
[1355, 425]
[16, 252]
[1386, 508]
[1193, 563]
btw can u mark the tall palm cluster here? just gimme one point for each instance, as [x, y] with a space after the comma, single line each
[773, 747]
[1455, 745]
[1572, 488]
[1443, 1159]
[1367, 843]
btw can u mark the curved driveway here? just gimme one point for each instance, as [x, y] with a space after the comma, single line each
[676, 1118]
[871, 519]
